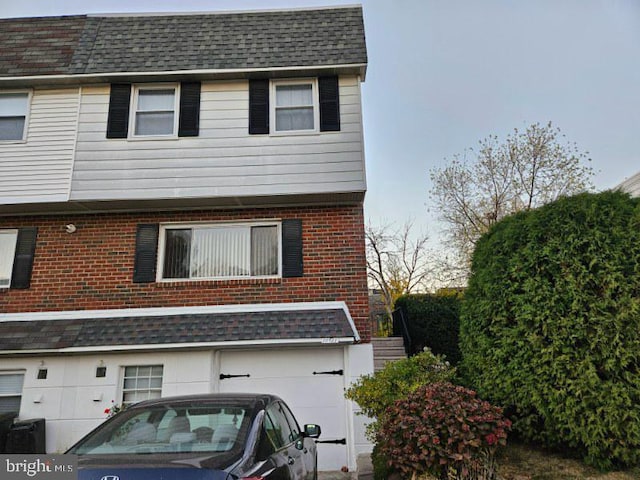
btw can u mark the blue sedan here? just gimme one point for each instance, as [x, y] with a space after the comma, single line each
[202, 437]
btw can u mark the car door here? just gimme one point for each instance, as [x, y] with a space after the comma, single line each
[307, 446]
[282, 433]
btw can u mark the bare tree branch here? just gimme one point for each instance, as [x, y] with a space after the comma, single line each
[397, 263]
[527, 170]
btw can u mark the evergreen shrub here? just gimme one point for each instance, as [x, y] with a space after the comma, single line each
[550, 324]
[433, 321]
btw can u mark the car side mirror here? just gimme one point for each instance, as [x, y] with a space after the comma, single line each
[312, 430]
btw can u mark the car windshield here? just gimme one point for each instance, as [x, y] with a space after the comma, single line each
[169, 429]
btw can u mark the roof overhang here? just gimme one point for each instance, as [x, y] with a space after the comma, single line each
[40, 206]
[359, 69]
[171, 328]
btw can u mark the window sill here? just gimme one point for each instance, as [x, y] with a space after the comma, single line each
[153, 138]
[13, 142]
[217, 283]
[294, 133]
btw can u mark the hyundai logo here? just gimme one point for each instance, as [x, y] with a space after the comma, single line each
[110, 477]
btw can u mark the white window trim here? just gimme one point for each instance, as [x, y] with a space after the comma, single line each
[27, 116]
[10, 231]
[316, 106]
[19, 394]
[138, 365]
[133, 110]
[173, 226]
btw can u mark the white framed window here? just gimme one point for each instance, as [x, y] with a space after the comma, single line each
[294, 107]
[8, 239]
[11, 383]
[220, 251]
[14, 113]
[141, 382]
[154, 110]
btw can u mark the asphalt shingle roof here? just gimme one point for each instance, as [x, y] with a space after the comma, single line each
[157, 43]
[171, 329]
[39, 46]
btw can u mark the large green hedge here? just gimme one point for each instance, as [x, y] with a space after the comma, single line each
[433, 321]
[550, 325]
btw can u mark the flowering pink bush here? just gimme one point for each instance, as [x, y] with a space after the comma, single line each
[442, 429]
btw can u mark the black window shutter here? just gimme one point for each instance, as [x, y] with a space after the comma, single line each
[329, 96]
[118, 120]
[258, 106]
[189, 123]
[144, 269]
[292, 248]
[23, 259]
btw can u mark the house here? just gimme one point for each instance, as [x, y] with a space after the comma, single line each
[631, 185]
[181, 211]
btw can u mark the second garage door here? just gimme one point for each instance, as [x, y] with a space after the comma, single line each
[309, 380]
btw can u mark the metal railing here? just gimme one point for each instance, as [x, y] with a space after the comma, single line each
[400, 329]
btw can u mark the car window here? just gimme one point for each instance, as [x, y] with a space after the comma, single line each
[291, 420]
[280, 431]
[270, 438]
[170, 429]
[284, 428]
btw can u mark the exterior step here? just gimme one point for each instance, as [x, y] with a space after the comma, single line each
[387, 349]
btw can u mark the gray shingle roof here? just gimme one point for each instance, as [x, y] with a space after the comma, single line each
[171, 329]
[156, 43]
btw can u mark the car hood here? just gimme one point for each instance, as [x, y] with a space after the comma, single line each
[156, 467]
[150, 473]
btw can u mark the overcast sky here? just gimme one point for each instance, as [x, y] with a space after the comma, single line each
[444, 74]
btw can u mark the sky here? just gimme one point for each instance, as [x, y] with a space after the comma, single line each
[445, 74]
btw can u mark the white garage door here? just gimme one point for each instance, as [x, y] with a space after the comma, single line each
[289, 373]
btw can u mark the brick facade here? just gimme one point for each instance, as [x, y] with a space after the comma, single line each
[93, 267]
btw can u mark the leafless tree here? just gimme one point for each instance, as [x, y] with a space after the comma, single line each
[397, 262]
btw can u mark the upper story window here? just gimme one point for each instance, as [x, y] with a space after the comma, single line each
[8, 239]
[220, 251]
[14, 107]
[154, 111]
[295, 107]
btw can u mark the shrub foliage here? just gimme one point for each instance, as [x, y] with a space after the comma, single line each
[550, 324]
[444, 430]
[375, 393]
[433, 321]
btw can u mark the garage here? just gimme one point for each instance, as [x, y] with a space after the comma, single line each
[310, 379]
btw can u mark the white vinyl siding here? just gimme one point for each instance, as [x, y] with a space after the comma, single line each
[224, 160]
[39, 169]
[8, 240]
[631, 185]
[140, 383]
[11, 391]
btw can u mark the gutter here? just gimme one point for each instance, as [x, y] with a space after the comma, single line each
[222, 74]
[190, 346]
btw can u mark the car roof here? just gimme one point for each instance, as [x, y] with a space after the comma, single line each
[228, 398]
